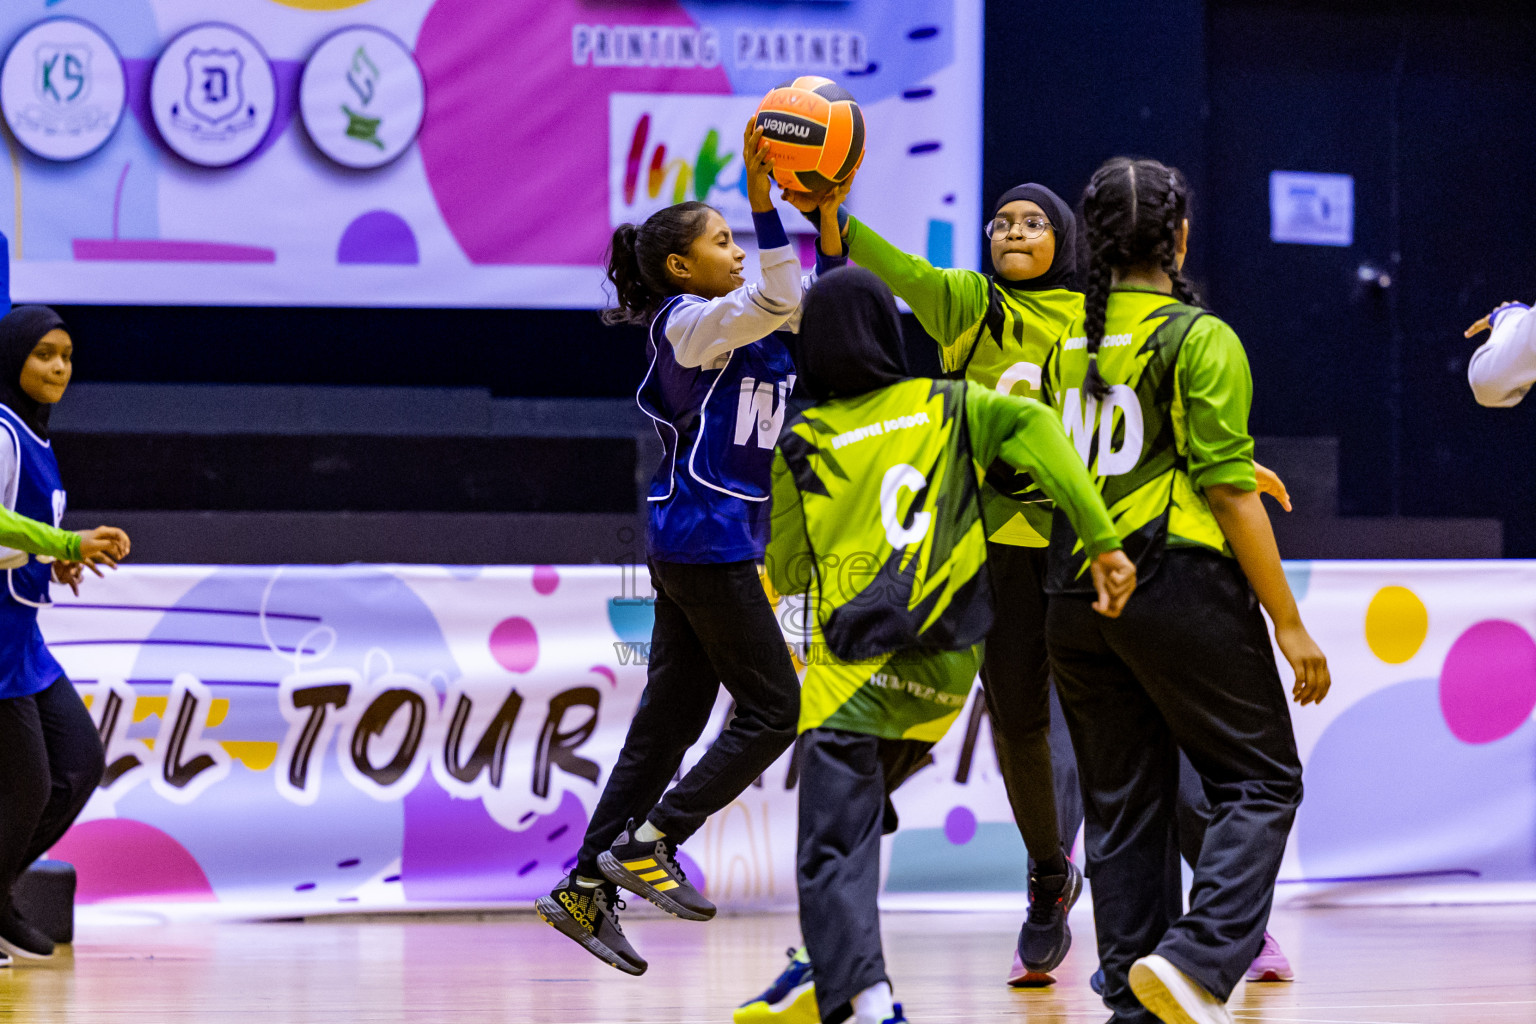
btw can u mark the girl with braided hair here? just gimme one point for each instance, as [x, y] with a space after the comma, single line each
[1155, 392]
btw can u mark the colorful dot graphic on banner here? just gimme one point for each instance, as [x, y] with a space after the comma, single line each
[960, 825]
[1488, 682]
[631, 618]
[120, 859]
[378, 237]
[1396, 623]
[515, 644]
[545, 579]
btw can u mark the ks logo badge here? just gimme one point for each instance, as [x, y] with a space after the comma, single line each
[63, 89]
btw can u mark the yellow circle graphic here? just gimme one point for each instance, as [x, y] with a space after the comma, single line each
[1396, 624]
[320, 5]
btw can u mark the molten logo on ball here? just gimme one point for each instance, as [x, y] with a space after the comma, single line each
[815, 133]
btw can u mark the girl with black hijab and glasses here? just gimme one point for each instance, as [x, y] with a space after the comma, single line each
[1155, 392]
[50, 755]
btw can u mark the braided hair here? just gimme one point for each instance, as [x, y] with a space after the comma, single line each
[637, 260]
[1132, 210]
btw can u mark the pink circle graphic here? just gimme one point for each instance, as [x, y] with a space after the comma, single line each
[545, 579]
[1488, 681]
[122, 859]
[499, 147]
[515, 644]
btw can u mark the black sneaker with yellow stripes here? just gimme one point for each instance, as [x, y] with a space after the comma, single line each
[650, 870]
[589, 915]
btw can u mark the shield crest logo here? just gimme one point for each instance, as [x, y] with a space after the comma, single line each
[215, 91]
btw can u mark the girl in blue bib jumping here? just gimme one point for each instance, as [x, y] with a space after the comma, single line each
[720, 375]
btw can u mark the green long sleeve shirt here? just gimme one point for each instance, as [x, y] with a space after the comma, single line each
[19, 533]
[956, 307]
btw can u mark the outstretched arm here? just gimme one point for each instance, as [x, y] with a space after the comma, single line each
[948, 303]
[1029, 437]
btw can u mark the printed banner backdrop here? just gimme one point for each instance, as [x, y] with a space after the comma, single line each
[294, 741]
[442, 152]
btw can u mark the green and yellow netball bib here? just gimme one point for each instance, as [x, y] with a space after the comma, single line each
[1129, 439]
[890, 498]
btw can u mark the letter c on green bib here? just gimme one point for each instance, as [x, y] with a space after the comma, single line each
[896, 478]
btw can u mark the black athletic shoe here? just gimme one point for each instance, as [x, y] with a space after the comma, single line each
[650, 870]
[589, 914]
[20, 939]
[1045, 937]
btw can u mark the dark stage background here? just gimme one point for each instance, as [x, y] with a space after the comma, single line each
[1430, 106]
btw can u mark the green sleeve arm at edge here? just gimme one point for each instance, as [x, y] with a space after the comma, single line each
[1035, 442]
[35, 538]
[788, 558]
[1218, 394]
[946, 302]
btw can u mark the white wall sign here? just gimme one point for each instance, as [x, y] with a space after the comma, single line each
[213, 95]
[62, 89]
[362, 97]
[1311, 209]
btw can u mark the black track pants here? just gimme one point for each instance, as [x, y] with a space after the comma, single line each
[1188, 667]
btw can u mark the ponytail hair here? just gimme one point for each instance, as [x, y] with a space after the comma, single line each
[637, 260]
[1132, 210]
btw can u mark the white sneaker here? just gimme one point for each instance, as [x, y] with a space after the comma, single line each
[5, 958]
[1174, 996]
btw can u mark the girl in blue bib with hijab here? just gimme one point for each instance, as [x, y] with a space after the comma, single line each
[50, 754]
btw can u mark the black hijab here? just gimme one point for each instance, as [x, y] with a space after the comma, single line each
[1063, 269]
[20, 331]
[850, 336]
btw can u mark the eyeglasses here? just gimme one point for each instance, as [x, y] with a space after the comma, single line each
[1001, 228]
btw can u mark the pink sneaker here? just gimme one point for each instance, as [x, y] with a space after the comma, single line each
[1022, 977]
[1270, 964]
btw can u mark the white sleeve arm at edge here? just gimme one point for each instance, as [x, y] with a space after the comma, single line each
[10, 484]
[704, 329]
[1503, 369]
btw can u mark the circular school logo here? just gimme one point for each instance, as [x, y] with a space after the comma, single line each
[213, 95]
[362, 97]
[62, 89]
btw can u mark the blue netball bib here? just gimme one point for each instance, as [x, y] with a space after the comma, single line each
[26, 667]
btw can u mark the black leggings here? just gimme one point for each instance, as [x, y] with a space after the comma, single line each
[714, 626]
[1187, 667]
[51, 761]
[1016, 682]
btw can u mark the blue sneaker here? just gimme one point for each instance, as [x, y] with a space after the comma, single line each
[1097, 982]
[791, 999]
[897, 1017]
[1045, 937]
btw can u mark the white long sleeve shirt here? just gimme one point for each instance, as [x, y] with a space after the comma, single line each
[1503, 369]
[703, 332]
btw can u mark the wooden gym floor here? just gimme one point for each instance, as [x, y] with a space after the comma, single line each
[1419, 965]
